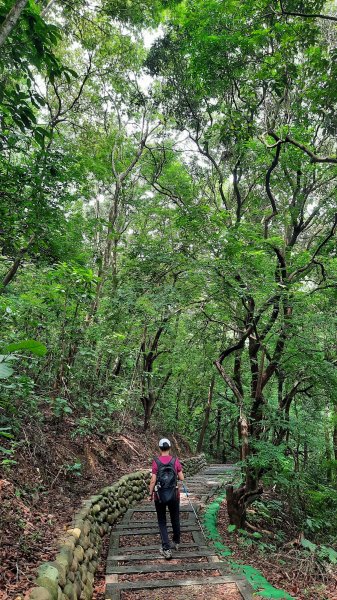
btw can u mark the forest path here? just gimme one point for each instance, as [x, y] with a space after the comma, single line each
[136, 570]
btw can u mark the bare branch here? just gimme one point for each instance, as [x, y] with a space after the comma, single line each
[269, 192]
[47, 8]
[314, 157]
[306, 15]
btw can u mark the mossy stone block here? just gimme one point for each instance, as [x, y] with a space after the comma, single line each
[48, 570]
[84, 573]
[75, 532]
[62, 569]
[65, 555]
[39, 593]
[96, 509]
[50, 584]
[70, 591]
[71, 576]
[79, 553]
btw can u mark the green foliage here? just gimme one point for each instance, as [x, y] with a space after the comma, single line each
[60, 407]
[7, 453]
[6, 370]
[29, 345]
[73, 468]
[322, 552]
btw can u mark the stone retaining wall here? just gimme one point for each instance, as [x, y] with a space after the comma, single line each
[71, 575]
[191, 466]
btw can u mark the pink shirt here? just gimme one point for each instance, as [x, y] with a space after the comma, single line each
[165, 460]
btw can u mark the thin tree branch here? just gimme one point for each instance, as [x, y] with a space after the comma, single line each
[269, 192]
[314, 157]
[306, 15]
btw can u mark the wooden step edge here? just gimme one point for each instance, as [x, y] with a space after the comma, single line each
[151, 530]
[166, 583]
[126, 549]
[152, 509]
[177, 554]
[164, 568]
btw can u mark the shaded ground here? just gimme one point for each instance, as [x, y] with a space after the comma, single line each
[52, 475]
[283, 563]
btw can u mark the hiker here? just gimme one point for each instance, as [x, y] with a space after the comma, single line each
[166, 470]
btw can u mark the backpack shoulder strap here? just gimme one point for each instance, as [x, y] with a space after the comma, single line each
[157, 461]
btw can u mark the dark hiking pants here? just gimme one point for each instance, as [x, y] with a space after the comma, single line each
[173, 507]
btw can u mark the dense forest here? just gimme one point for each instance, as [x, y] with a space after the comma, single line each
[168, 225]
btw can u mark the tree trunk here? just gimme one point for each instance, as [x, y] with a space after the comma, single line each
[328, 453]
[207, 414]
[236, 509]
[11, 20]
[218, 432]
[224, 454]
[334, 439]
[211, 443]
[148, 409]
[233, 427]
[239, 499]
[178, 403]
[243, 428]
[305, 455]
[16, 264]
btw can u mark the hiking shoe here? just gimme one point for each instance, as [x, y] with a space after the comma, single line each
[174, 546]
[166, 553]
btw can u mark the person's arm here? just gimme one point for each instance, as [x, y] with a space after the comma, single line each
[152, 484]
[179, 468]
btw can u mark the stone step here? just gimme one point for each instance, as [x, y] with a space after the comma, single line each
[164, 568]
[177, 554]
[152, 509]
[128, 530]
[126, 549]
[146, 523]
[166, 583]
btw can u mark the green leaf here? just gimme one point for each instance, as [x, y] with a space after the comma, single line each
[332, 555]
[231, 528]
[39, 138]
[5, 432]
[5, 371]
[30, 345]
[329, 554]
[309, 545]
[5, 450]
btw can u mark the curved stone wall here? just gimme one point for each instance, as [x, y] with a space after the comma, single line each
[71, 575]
[191, 466]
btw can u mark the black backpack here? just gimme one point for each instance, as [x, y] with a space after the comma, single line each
[166, 481]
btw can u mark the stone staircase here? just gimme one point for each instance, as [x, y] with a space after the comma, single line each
[137, 571]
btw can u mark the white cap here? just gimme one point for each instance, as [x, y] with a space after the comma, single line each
[164, 442]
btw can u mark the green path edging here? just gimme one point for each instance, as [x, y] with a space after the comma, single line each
[255, 577]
